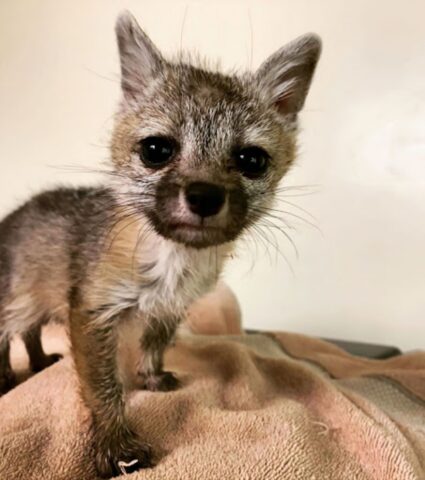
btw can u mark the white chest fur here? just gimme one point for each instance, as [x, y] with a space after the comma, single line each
[176, 276]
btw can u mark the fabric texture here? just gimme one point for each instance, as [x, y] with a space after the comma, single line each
[259, 406]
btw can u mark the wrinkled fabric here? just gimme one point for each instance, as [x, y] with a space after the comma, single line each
[273, 407]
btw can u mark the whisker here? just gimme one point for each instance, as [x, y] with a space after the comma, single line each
[248, 236]
[264, 240]
[287, 236]
[275, 245]
[264, 211]
[104, 77]
[299, 208]
[183, 25]
[143, 231]
[132, 222]
[286, 188]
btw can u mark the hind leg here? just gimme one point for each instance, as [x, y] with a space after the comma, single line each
[7, 377]
[38, 359]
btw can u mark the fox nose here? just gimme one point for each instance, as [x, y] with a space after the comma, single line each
[205, 199]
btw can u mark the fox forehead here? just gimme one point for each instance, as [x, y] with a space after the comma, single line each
[207, 112]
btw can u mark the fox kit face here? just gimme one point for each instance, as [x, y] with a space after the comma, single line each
[200, 153]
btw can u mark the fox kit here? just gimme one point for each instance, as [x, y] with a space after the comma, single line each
[196, 159]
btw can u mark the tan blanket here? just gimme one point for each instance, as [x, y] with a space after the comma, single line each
[269, 407]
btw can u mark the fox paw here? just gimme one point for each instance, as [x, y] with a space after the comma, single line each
[159, 382]
[131, 456]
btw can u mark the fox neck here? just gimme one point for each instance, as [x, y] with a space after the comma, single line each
[159, 275]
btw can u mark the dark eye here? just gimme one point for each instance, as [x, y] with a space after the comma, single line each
[252, 162]
[155, 152]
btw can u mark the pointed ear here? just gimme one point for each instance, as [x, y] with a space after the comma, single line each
[140, 59]
[286, 75]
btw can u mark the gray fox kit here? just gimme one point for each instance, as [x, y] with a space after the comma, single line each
[196, 159]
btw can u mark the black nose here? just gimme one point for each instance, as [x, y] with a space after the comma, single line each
[205, 199]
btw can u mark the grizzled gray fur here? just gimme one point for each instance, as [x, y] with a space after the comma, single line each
[196, 157]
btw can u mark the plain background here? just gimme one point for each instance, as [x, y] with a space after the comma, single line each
[362, 152]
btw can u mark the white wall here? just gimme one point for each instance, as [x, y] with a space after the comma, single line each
[363, 141]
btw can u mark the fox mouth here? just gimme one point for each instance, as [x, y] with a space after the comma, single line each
[196, 235]
[192, 235]
[190, 227]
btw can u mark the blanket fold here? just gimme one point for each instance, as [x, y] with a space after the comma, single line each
[259, 406]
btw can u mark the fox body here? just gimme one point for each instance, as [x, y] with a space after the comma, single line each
[196, 158]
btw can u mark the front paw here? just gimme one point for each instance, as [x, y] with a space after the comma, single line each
[158, 382]
[123, 457]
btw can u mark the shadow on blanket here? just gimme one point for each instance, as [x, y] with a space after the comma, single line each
[265, 406]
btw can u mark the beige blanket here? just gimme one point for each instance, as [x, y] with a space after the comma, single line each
[272, 407]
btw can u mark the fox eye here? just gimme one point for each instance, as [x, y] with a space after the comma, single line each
[252, 162]
[156, 152]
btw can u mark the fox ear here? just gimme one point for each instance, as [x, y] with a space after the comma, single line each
[140, 59]
[286, 75]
